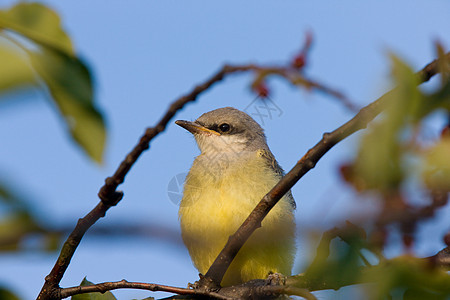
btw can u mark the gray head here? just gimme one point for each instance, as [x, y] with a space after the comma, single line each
[226, 129]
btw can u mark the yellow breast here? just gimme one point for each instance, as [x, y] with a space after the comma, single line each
[217, 199]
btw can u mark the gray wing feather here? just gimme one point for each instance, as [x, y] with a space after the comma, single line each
[273, 164]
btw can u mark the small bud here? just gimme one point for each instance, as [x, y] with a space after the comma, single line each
[447, 239]
[299, 61]
[346, 171]
[445, 133]
[262, 90]
[408, 241]
[308, 39]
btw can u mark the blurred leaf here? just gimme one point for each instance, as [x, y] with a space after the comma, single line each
[15, 71]
[52, 241]
[38, 23]
[440, 98]
[93, 296]
[67, 78]
[69, 82]
[14, 228]
[12, 199]
[379, 161]
[336, 263]
[7, 196]
[18, 221]
[444, 63]
[420, 294]
[437, 166]
[407, 273]
[6, 294]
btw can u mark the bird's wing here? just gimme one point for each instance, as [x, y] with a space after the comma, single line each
[273, 164]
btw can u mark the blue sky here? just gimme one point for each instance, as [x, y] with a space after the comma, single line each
[145, 54]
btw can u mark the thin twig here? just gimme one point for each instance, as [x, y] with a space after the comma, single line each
[217, 270]
[123, 284]
[298, 79]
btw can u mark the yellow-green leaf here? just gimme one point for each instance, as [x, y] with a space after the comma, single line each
[38, 23]
[437, 166]
[379, 162]
[407, 273]
[15, 71]
[6, 294]
[69, 82]
[14, 228]
[93, 296]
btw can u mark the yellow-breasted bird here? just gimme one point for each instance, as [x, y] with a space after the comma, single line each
[233, 172]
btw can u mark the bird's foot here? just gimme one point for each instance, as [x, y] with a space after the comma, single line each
[276, 279]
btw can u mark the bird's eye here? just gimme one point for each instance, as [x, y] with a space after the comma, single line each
[224, 127]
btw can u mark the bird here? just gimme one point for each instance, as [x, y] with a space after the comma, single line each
[233, 172]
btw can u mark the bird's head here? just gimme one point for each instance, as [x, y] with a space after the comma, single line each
[226, 130]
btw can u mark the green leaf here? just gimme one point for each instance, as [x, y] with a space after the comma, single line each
[93, 296]
[69, 82]
[407, 273]
[336, 263]
[15, 71]
[379, 164]
[18, 221]
[8, 197]
[66, 77]
[6, 294]
[14, 228]
[436, 169]
[38, 23]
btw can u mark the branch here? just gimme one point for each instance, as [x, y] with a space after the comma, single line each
[441, 259]
[123, 284]
[299, 285]
[47, 237]
[264, 289]
[255, 289]
[214, 276]
[296, 78]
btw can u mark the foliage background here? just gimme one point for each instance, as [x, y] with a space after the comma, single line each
[143, 55]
